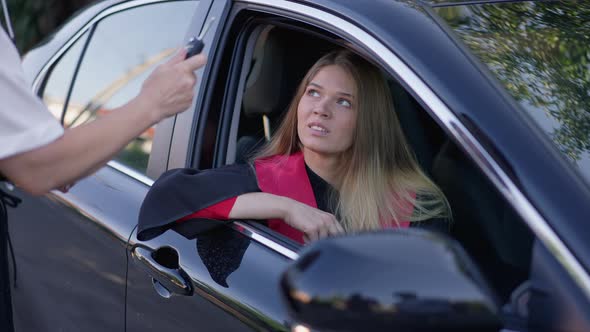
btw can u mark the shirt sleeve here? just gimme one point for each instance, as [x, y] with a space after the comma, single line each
[219, 210]
[25, 123]
[184, 194]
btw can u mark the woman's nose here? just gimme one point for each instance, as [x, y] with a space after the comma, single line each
[322, 109]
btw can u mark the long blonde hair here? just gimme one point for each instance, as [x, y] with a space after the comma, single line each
[380, 178]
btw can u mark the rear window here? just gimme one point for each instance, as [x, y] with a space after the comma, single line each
[540, 52]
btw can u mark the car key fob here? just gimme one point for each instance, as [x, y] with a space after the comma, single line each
[193, 47]
[195, 44]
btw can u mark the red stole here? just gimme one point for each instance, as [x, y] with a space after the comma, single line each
[286, 176]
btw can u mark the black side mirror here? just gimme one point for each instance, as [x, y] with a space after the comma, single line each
[399, 280]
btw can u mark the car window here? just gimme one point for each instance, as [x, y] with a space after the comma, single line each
[59, 80]
[124, 48]
[539, 52]
[483, 222]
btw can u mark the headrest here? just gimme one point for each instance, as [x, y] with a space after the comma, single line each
[281, 59]
[264, 92]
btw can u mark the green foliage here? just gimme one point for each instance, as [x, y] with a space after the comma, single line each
[33, 20]
[540, 52]
[134, 156]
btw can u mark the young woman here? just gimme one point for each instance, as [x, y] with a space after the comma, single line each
[338, 163]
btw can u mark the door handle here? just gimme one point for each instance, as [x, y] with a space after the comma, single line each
[171, 277]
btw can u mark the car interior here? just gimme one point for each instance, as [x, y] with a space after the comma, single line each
[277, 67]
[277, 57]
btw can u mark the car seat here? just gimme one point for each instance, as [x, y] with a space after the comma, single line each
[483, 222]
[423, 140]
[280, 60]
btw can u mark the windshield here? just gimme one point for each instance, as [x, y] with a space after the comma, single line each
[540, 52]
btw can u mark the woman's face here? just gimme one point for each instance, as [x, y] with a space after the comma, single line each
[326, 113]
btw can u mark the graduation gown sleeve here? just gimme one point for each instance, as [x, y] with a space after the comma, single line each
[179, 193]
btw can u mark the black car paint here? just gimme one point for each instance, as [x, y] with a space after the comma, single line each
[102, 210]
[70, 255]
[238, 277]
[398, 298]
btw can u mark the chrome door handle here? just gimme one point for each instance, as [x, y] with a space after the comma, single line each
[174, 279]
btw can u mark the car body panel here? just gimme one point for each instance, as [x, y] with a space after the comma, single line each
[230, 273]
[70, 254]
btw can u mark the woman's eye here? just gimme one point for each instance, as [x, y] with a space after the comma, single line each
[345, 103]
[313, 93]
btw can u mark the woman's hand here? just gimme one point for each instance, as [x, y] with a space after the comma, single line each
[314, 223]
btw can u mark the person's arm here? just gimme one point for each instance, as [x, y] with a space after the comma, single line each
[229, 192]
[84, 149]
[314, 223]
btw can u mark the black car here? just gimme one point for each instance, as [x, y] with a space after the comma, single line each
[493, 96]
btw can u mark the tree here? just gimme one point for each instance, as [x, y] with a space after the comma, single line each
[33, 20]
[540, 52]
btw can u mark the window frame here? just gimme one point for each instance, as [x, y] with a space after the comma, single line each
[80, 56]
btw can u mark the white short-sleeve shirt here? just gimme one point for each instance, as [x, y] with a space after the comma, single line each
[25, 123]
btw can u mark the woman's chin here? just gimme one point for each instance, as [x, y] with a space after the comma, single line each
[322, 149]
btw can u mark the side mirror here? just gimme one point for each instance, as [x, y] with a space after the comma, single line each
[398, 280]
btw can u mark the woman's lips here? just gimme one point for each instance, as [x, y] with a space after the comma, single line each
[318, 129]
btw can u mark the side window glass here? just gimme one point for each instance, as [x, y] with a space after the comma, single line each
[59, 81]
[124, 49]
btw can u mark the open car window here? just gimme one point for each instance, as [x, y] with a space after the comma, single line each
[263, 64]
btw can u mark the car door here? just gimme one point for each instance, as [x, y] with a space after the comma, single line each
[70, 267]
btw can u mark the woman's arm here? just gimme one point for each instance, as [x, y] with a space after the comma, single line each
[314, 223]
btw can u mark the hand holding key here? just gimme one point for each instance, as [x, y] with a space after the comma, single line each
[195, 44]
[170, 87]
